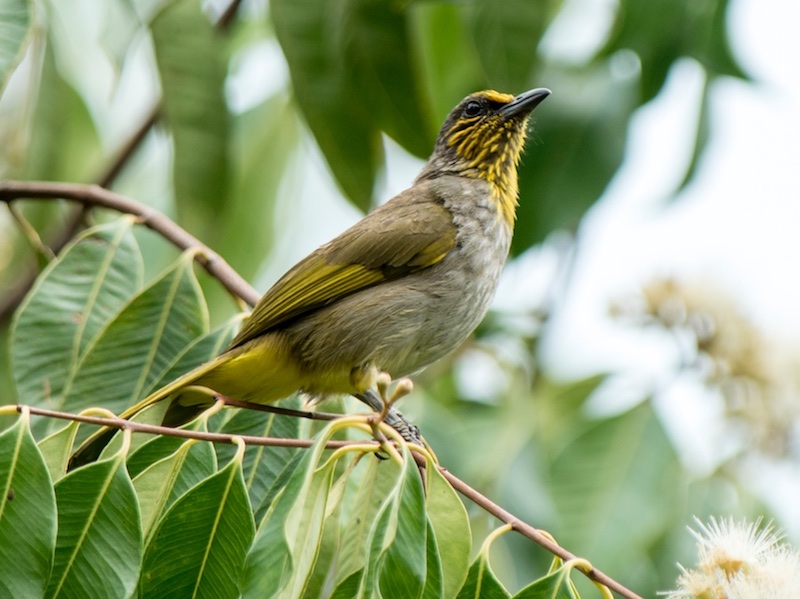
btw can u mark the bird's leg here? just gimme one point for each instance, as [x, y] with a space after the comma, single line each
[376, 396]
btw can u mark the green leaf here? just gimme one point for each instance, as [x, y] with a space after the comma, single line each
[714, 42]
[370, 487]
[71, 302]
[380, 537]
[199, 350]
[402, 573]
[199, 546]
[350, 587]
[434, 581]
[320, 579]
[262, 464]
[121, 26]
[664, 31]
[27, 514]
[506, 35]
[99, 545]
[332, 106]
[64, 143]
[619, 470]
[15, 22]
[141, 342]
[448, 61]
[152, 449]
[556, 585]
[264, 139]
[450, 522]
[56, 449]
[163, 482]
[290, 534]
[191, 60]
[701, 136]
[481, 582]
[655, 32]
[377, 50]
[278, 484]
[576, 145]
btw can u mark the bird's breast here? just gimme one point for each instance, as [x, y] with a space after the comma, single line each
[466, 280]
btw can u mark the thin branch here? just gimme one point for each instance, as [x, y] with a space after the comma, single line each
[152, 429]
[95, 196]
[227, 15]
[76, 219]
[532, 533]
[129, 148]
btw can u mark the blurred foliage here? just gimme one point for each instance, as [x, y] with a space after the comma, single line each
[231, 149]
[193, 102]
[15, 19]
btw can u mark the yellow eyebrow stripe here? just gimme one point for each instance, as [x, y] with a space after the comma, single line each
[494, 96]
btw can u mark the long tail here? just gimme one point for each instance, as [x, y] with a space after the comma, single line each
[91, 449]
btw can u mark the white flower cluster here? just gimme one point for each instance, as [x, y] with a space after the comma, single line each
[755, 374]
[739, 560]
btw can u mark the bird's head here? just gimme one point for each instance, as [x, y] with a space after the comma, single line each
[482, 138]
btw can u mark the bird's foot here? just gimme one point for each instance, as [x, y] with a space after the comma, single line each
[381, 399]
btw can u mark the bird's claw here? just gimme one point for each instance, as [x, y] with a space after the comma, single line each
[407, 430]
[381, 400]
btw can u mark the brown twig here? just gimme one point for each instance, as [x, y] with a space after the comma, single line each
[96, 196]
[532, 533]
[129, 147]
[152, 429]
[227, 15]
[75, 220]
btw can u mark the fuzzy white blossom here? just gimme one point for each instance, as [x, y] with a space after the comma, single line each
[755, 374]
[739, 560]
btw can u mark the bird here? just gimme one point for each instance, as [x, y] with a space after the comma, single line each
[400, 289]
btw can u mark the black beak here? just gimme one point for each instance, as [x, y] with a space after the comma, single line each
[524, 103]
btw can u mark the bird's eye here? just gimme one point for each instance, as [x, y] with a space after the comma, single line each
[473, 108]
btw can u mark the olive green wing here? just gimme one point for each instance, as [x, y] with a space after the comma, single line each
[396, 239]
